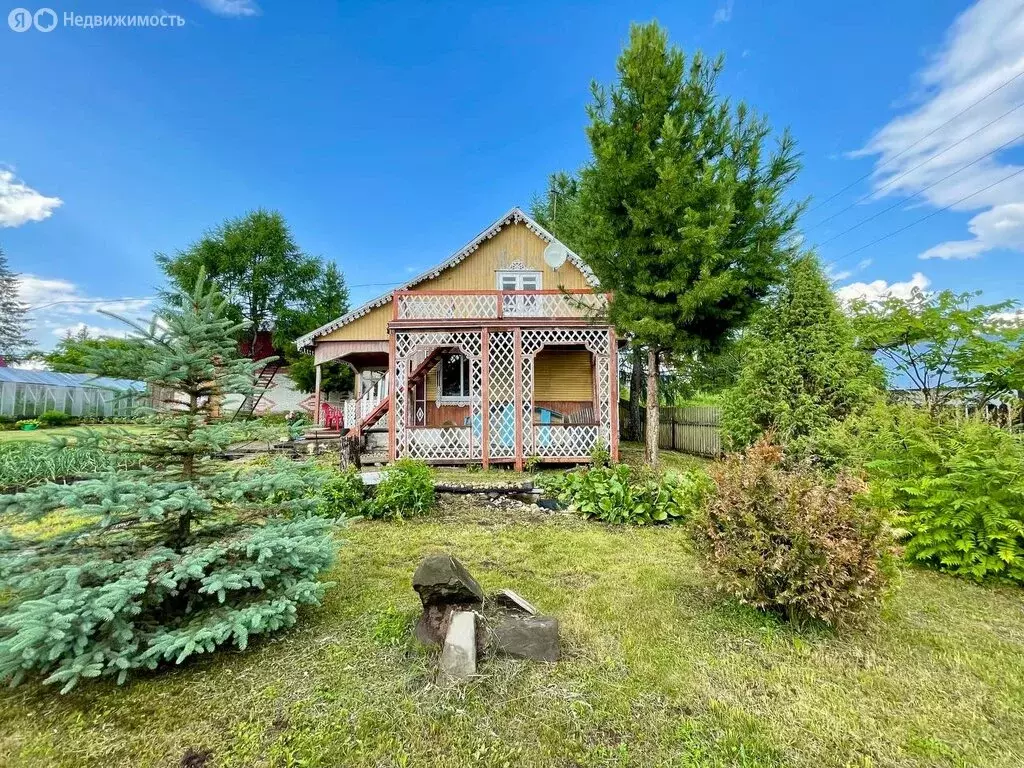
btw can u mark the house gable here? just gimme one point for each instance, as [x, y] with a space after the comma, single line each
[515, 240]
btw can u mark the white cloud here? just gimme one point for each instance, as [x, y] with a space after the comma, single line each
[1010, 317]
[93, 330]
[20, 204]
[999, 227]
[232, 8]
[877, 290]
[723, 13]
[863, 264]
[984, 49]
[62, 306]
[844, 275]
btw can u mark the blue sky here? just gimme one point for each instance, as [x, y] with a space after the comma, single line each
[390, 133]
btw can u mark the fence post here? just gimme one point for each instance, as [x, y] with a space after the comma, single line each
[673, 433]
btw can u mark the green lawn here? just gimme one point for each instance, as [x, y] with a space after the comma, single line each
[46, 434]
[657, 671]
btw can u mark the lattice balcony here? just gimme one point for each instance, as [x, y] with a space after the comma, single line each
[499, 305]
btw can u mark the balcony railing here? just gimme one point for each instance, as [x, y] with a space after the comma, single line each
[498, 305]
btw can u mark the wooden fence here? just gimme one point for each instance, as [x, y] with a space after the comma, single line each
[693, 429]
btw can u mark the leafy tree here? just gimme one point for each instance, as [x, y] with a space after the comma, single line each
[104, 356]
[685, 210]
[559, 212]
[256, 263]
[14, 343]
[940, 341]
[800, 371]
[161, 563]
[330, 300]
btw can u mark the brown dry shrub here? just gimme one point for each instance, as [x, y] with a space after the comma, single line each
[794, 542]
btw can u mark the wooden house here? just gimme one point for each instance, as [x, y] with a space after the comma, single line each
[492, 356]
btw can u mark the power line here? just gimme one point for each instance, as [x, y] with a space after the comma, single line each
[922, 190]
[89, 301]
[925, 218]
[927, 160]
[907, 149]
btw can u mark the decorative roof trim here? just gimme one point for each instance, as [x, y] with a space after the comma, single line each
[515, 216]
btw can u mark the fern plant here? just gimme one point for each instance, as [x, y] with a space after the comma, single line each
[957, 486]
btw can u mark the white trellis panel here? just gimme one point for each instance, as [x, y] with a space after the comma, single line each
[460, 306]
[455, 443]
[501, 394]
[578, 439]
[554, 304]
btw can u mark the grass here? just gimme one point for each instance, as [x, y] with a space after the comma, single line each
[9, 435]
[657, 670]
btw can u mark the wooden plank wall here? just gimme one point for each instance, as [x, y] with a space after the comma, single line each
[693, 429]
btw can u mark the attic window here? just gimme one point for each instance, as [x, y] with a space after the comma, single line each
[518, 280]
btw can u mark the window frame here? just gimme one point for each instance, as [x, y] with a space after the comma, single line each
[465, 374]
[517, 275]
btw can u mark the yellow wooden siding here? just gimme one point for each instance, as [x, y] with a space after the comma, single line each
[563, 375]
[477, 272]
[513, 243]
[558, 375]
[432, 384]
[373, 325]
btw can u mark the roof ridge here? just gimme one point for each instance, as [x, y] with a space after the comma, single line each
[514, 215]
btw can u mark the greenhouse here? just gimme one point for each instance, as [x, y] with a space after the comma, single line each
[29, 393]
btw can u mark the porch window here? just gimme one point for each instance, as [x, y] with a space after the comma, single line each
[518, 280]
[453, 379]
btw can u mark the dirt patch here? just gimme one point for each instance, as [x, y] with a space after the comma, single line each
[196, 758]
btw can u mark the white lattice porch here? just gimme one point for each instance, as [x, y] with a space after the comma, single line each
[500, 426]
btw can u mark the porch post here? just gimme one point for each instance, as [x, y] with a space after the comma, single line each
[614, 358]
[316, 398]
[517, 376]
[485, 398]
[393, 374]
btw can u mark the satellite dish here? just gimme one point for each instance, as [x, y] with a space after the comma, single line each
[555, 255]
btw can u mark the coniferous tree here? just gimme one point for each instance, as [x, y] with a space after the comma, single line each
[686, 218]
[171, 560]
[800, 372]
[14, 341]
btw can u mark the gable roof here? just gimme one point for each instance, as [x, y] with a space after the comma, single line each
[515, 216]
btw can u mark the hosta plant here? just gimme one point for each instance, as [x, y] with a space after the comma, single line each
[158, 564]
[620, 494]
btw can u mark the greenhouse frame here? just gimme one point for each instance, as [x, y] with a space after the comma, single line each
[25, 393]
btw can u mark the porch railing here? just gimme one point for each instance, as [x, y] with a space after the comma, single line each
[565, 440]
[497, 305]
[357, 409]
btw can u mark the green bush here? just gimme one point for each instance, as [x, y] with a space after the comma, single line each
[794, 542]
[406, 490]
[620, 494]
[957, 486]
[344, 495]
[55, 419]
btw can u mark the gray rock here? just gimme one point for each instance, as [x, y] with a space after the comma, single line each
[548, 504]
[458, 659]
[443, 580]
[506, 598]
[527, 637]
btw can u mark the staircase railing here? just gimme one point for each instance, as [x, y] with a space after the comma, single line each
[264, 380]
[356, 410]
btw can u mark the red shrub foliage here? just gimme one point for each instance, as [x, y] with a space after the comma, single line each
[794, 542]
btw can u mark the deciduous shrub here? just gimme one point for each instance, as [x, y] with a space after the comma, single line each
[343, 495]
[794, 542]
[406, 490]
[620, 494]
[55, 418]
[957, 486]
